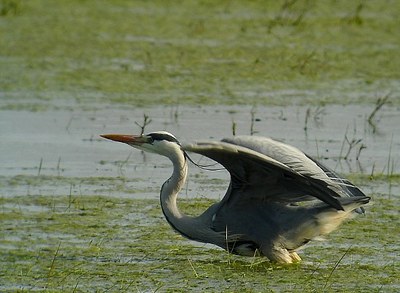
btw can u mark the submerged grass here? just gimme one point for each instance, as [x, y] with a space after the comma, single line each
[91, 243]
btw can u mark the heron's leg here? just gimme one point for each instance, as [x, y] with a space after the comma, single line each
[278, 254]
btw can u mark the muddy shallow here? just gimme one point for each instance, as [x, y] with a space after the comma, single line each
[64, 147]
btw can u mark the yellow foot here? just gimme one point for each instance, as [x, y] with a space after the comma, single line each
[294, 256]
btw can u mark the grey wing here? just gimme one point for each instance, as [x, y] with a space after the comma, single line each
[283, 153]
[348, 188]
[299, 162]
[257, 176]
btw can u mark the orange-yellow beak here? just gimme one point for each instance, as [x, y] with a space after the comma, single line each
[126, 138]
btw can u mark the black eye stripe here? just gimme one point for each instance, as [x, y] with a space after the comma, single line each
[163, 136]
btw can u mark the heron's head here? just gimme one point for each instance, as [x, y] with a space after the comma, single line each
[160, 142]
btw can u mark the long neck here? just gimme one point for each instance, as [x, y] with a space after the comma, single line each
[169, 193]
[171, 187]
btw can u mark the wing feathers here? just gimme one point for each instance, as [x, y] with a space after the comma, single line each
[257, 175]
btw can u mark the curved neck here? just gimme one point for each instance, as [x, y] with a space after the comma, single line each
[195, 228]
[168, 197]
[171, 187]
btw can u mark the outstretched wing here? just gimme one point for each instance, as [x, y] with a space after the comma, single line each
[299, 162]
[286, 154]
[257, 175]
[347, 188]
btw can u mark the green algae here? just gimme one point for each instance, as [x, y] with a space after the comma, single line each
[91, 243]
[199, 52]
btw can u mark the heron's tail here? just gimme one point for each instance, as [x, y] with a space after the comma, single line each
[322, 219]
[329, 219]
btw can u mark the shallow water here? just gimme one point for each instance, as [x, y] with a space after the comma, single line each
[64, 147]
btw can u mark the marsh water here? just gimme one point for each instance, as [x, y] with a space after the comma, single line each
[65, 149]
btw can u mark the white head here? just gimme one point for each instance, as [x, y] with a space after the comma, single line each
[159, 142]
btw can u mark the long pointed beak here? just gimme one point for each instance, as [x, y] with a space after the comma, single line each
[126, 138]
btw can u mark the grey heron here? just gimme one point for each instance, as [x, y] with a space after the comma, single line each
[278, 198]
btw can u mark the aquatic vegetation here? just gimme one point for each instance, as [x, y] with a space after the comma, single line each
[151, 53]
[100, 243]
